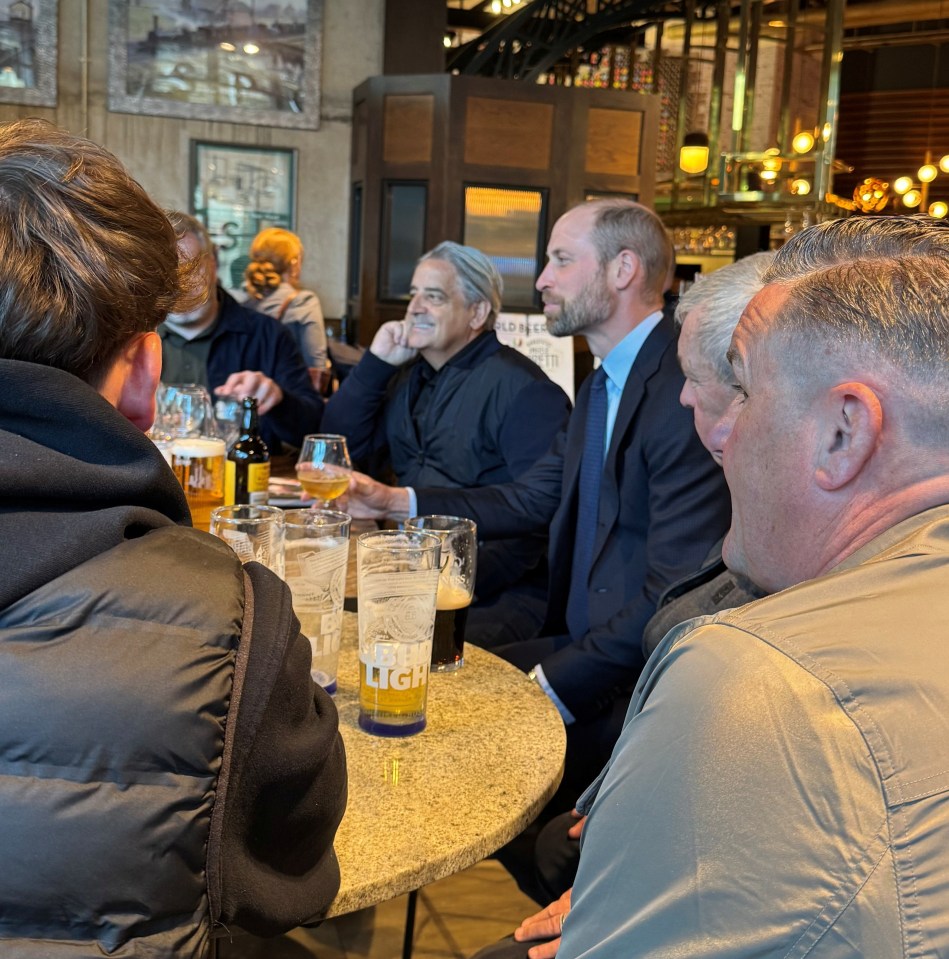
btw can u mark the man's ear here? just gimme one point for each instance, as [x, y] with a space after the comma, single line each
[624, 269]
[134, 379]
[851, 423]
[479, 314]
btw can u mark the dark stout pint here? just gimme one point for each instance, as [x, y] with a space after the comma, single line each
[451, 615]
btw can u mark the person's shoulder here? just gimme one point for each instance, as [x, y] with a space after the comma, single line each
[304, 298]
[183, 546]
[244, 319]
[515, 364]
[236, 315]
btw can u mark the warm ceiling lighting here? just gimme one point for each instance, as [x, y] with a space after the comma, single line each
[912, 198]
[446, 40]
[227, 47]
[693, 157]
[927, 173]
[944, 164]
[495, 6]
[902, 184]
[800, 186]
[251, 49]
[802, 142]
[938, 209]
[769, 176]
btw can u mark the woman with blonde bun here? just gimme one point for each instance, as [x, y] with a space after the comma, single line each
[272, 279]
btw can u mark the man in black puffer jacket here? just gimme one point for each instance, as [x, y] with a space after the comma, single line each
[166, 764]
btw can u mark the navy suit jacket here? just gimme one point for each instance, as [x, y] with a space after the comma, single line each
[663, 506]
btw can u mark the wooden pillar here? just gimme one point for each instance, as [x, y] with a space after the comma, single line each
[414, 36]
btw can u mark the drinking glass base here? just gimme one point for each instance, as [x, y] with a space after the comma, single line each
[448, 667]
[370, 725]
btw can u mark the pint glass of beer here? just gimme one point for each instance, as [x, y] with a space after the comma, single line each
[397, 574]
[253, 532]
[198, 463]
[317, 548]
[459, 556]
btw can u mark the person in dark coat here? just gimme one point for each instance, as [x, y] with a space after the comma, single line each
[658, 502]
[438, 401]
[167, 767]
[234, 351]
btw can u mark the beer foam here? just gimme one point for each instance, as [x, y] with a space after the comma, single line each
[452, 594]
[198, 446]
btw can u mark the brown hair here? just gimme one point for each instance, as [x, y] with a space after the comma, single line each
[272, 253]
[623, 225]
[89, 261]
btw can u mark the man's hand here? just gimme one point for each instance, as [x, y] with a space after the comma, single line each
[546, 924]
[391, 342]
[248, 383]
[368, 499]
[574, 831]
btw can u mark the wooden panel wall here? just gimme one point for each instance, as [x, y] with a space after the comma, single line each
[566, 142]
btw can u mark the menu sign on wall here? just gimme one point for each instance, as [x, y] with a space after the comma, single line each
[527, 333]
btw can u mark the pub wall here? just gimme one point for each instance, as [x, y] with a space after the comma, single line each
[156, 149]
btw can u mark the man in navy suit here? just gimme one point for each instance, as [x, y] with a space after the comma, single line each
[661, 503]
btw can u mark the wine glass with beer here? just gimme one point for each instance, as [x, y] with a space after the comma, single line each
[324, 467]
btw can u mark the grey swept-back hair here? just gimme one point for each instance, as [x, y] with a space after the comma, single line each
[478, 276]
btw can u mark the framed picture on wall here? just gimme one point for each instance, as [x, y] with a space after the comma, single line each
[235, 62]
[237, 191]
[28, 52]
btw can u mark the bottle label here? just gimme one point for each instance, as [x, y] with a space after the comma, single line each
[230, 482]
[258, 478]
[257, 481]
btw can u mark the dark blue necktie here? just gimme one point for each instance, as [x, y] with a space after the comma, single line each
[588, 505]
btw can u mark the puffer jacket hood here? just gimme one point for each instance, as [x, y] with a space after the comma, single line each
[41, 481]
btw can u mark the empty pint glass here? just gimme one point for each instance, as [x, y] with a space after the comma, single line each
[316, 550]
[459, 553]
[397, 580]
[253, 532]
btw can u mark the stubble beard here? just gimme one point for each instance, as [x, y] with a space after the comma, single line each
[588, 309]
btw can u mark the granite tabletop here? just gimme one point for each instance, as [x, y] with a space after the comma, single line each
[424, 807]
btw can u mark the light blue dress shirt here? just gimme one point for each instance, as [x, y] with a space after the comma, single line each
[617, 365]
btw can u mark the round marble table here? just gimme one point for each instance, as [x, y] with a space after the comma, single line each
[424, 807]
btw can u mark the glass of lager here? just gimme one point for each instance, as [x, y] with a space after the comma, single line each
[317, 548]
[397, 577]
[459, 539]
[198, 464]
[324, 467]
[255, 533]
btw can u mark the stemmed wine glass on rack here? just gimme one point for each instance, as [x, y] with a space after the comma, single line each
[324, 467]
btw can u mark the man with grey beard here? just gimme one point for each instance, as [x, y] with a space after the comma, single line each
[234, 351]
[632, 500]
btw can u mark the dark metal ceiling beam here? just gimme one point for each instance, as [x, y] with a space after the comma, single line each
[530, 41]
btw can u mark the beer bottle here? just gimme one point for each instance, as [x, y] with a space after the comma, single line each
[247, 470]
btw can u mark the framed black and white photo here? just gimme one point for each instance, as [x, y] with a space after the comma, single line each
[28, 52]
[204, 60]
[237, 191]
